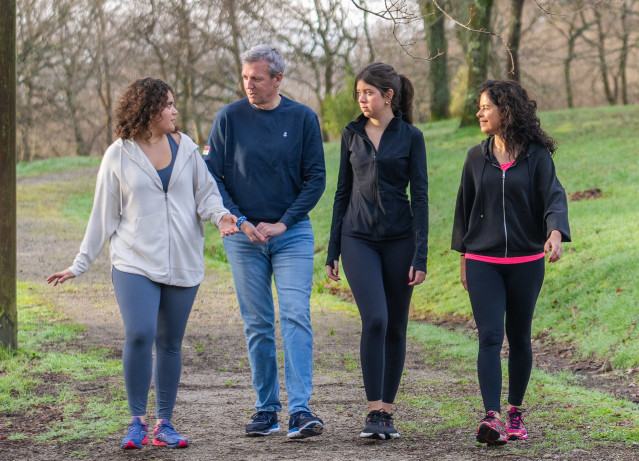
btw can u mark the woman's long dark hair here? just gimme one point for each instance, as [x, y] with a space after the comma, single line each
[384, 78]
[520, 126]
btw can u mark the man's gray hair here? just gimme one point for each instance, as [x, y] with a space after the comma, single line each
[266, 53]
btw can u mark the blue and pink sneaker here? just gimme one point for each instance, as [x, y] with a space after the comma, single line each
[165, 436]
[515, 428]
[491, 430]
[136, 436]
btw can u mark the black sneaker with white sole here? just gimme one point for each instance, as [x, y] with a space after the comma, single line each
[304, 424]
[374, 427]
[264, 423]
[389, 425]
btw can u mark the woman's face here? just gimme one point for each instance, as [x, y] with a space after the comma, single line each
[371, 101]
[488, 115]
[164, 122]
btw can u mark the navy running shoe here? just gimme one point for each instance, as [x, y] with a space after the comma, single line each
[164, 435]
[264, 423]
[304, 424]
[136, 436]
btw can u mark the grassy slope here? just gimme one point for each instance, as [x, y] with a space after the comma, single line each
[587, 298]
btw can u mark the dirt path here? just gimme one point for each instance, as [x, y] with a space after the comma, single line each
[215, 396]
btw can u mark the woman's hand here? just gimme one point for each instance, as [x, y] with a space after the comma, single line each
[228, 225]
[61, 277]
[333, 271]
[553, 244]
[416, 277]
[462, 277]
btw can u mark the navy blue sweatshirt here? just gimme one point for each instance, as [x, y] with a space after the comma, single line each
[268, 164]
[508, 213]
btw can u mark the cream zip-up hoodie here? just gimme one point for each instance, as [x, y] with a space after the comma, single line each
[152, 233]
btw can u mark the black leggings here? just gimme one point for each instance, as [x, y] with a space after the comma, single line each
[378, 275]
[496, 290]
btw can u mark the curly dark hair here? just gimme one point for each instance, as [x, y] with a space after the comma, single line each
[520, 126]
[142, 101]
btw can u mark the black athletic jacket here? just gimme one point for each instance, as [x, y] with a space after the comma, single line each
[511, 213]
[371, 200]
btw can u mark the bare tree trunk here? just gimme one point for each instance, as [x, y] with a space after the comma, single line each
[438, 77]
[229, 6]
[611, 96]
[8, 240]
[514, 38]
[104, 74]
[626, 10]
[477, 58]
[367, 34]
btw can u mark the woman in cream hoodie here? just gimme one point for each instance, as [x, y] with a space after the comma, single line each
[152, 194]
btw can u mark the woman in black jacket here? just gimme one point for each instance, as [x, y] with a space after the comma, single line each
[511, 210]
[381, 234]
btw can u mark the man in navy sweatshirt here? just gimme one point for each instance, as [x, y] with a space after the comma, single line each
[265, 152]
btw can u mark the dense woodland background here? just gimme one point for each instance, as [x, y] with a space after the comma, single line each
[76, 56]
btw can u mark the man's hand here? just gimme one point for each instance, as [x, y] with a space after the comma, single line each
[271, 230]
[252, 233]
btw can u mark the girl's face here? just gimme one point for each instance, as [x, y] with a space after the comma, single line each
[488, 115]
[371, 101]
[165, 121]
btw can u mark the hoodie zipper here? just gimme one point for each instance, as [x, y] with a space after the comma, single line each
[503, 207]
[375, 185]
[168, 226]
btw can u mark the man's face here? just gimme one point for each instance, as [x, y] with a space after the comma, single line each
[260, 87]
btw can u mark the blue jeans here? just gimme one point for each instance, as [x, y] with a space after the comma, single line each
[288, 259]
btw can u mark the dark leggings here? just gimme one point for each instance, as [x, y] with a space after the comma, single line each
[152, 313]
[496, 290]
[378, 275]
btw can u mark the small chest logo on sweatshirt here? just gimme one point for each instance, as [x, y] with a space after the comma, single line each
[285, 134]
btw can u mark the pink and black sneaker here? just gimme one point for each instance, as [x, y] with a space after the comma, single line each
[515, 429]
[491, 430]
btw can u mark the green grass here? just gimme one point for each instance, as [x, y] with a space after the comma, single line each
[597, 149]
[53, 165]
[43, 370]
[580, 417]
[588, 297]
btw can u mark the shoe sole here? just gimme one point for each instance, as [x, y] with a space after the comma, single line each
[130, 445]
[517, 437]
[488, 435]
[271, 430]
[373, 435]
[180, 444]
[309, 430]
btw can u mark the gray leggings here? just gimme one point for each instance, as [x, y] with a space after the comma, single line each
[152, 313]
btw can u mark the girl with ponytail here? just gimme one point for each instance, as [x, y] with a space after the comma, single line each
[380, 233]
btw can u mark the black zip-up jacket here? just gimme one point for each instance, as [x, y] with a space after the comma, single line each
[371, 200]
[508, 213]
